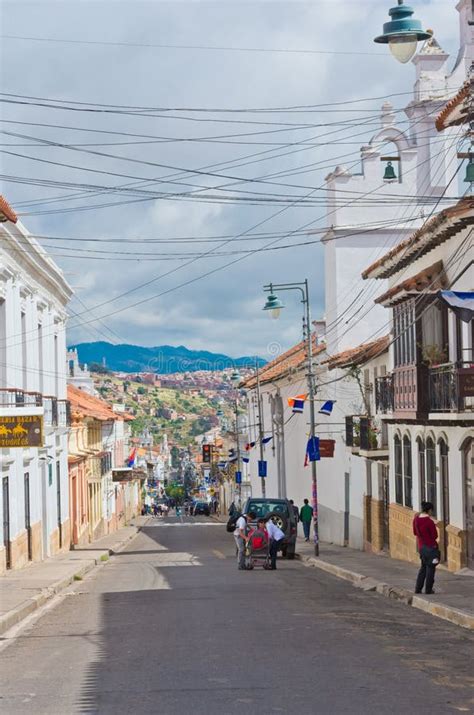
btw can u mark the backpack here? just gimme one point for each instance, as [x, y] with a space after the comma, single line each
[232, 523]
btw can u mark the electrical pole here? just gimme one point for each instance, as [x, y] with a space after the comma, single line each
[237, 434]
[312, 395]
[260, 426]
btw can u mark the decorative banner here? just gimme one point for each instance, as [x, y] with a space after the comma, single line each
[238, 477]
[326, 409]
[298, 406]
[326, 447]
[249, 446]
[292, 400]
[466, 381]
[266, 440]
[312, 451]
[246, 460]
[262, 468]
[24, 431]
[132, 458]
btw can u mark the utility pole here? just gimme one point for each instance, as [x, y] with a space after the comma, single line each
[260, 426]
[239, 469]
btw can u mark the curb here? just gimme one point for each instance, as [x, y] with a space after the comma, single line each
[16, 615]
[366, 583]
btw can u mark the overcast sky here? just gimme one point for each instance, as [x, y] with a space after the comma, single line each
[222, 311]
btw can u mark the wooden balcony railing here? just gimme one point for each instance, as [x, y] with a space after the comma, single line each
[12, 397]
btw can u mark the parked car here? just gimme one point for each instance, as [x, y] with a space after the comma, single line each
[201, 507]
[282, 514]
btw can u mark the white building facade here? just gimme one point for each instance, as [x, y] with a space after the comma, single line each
[33, 299]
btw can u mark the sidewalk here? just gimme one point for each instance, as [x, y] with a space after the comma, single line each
[26, 590]
[453, 600]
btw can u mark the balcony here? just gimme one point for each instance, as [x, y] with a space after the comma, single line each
[50, 411]
[367, 437]
[451, 388]
[11, 397]
[384, 394]
[64, 413]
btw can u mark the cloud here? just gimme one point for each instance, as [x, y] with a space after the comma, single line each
[221, 311]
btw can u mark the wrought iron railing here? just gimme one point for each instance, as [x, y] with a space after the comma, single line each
[365, 433]
[50, 411]
[384, 394]
[447, 388]
[64, 413]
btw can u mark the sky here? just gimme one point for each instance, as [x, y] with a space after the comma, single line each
[153, 58]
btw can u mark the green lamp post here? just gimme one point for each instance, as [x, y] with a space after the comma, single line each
[402, 33]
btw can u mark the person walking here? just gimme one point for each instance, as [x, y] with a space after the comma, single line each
[240, 537]
[306, 515]
[276, 536]
[426, 534]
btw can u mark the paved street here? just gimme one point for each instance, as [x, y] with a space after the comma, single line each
[170, 626]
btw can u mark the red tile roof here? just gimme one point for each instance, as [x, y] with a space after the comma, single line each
[440, 228]
[360, 354]
[90, 406]
[6, 211]
[429, 280]
[292, 359]
[456, 111]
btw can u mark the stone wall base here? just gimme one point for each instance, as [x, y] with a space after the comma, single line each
[55, 547]
[377, 526]
[19, 551]
[402, 539]
[456, 548]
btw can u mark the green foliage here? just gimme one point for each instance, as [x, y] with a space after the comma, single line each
[175, 492]
[141, 390]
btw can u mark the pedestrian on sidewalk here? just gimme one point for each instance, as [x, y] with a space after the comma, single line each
[426, 534]
[276, 536]
[306, 515]
[296, 512]
[240, 536]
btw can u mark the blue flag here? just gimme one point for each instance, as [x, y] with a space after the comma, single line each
[298, 406]
[326, 409]
[266, 440]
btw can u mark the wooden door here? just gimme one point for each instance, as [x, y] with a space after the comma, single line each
[469, 492]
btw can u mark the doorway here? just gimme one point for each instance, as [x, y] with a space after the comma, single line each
[6, 522]
[386, 507]
[28, 515]
[468, 465]
[58, 499]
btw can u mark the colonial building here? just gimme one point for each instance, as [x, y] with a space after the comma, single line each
[34, 495]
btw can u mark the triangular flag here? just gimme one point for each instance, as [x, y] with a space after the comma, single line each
[298, 406]
[326, 409]
[246, 460]
[266, 440]
[291, 400]
[249, 446]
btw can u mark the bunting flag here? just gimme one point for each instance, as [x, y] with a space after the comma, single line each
[312, 451]
[249, 446]
[298, 406]
[291, 400]
[245, 460]
[266, 440]
[326, 409]
[132, 458]
[232, 455]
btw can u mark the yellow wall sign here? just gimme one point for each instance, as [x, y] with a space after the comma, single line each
[21, 431]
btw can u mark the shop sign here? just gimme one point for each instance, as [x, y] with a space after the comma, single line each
[466, 381]
[326, 447]
[21, 431]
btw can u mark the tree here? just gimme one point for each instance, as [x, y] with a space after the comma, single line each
[141, 390]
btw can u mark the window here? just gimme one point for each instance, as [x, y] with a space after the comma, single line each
[444, 474]
[422, 469]
[398, 470]
[407, 472]
[404, 330]
[431, 494]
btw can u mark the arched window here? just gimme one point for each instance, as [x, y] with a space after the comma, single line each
[431, 492]
[398, 470]
[407, 472]
[422, 468]
[444, 478]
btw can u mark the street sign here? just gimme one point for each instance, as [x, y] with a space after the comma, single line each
[21, 431]
[262, 468]
[466, 381]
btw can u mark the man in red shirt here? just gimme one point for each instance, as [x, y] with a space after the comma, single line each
[426, 534]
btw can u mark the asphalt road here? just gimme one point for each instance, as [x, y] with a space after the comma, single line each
[171, 626]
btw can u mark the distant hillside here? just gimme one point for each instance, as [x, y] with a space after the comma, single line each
[164, 359]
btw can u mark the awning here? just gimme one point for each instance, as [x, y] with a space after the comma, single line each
[461, 302]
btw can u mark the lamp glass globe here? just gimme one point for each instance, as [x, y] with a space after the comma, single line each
[403, 47]
[275, 313]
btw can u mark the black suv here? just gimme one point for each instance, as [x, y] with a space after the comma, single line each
[281, 513]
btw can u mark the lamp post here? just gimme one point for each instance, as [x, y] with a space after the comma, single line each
[402, 33]
[275, 305]
[235, 378]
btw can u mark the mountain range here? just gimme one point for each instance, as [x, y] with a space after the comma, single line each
[164, 359]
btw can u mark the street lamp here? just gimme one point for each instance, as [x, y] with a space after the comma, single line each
[402, 33]
[308, 336]
[273, 304]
